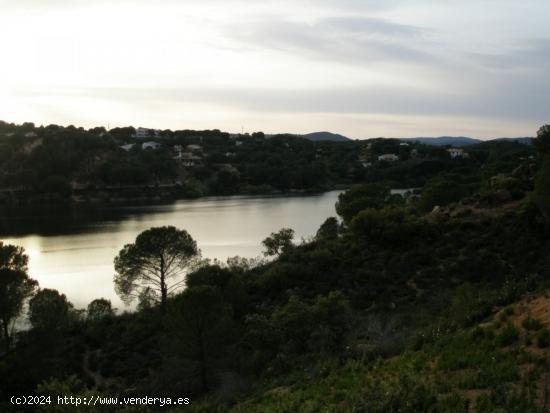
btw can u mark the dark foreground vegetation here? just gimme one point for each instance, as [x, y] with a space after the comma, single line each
[429, 302]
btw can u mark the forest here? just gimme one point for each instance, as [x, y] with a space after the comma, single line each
[435, 300]
[54, 164]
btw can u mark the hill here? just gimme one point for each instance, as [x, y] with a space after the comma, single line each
[499, 365]
[444, 140]
[326, 136]
[525, 140]
[462, 140]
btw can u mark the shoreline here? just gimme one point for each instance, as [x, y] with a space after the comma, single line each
[149, 195]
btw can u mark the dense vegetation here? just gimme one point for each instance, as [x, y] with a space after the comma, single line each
[429, 302]
[52, 164]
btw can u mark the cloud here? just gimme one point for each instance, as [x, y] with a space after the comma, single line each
[359, 40]
[478, 59]
[529, 54]
[505, 98]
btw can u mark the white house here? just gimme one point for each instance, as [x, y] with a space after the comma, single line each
[388, 157]
[187, 159]
[127, 147]
[457, 153]
[143, 133]
[150, 145]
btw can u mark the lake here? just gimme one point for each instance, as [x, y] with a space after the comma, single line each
[72, 249]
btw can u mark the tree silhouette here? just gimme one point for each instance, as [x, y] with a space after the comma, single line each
[328, 230]
[200, 324]
[15, 287]
[155, 263]
[99, 309]
[49, 310]
[541, 194]
[542, 141]
[278, 242]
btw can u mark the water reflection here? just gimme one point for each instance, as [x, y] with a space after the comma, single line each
[72, 249]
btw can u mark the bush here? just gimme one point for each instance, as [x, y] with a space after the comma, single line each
[507, 312]
[543, 338]
[508, 335]
[531, 323]
[389, 227]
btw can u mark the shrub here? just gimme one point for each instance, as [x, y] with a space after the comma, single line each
[507, 312]
[508, 335]
[543, 338]
[531, 323]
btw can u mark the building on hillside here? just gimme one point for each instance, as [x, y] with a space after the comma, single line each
[457, 153]
[388, 157]
[144, 133]
[194, 147]
[364, 160]
[187, 159]
[127, 147]
[150, 145]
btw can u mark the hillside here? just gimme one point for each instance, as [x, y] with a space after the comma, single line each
[498, 365]
[56, 164]
[325, 136]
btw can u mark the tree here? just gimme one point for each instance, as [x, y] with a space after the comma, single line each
[156, 262]
[211, 275]
[200, 324]
[99, 309]
[328, 229]
[541, 194]
[440, 192]
[351, 202]
[49, 310]
[226, 181]
[278, 242]
[15, 287]
[228, 282]
[542, 142]
[390, 227]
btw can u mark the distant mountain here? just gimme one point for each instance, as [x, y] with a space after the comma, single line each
[462, 140]
[325, 136]
[444, 140]
[526, 141]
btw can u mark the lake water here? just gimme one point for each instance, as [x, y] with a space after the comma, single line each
[72, 250]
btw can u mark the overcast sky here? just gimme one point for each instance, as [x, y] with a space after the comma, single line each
[363, 68]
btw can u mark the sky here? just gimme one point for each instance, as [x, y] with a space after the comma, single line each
[362, 68]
